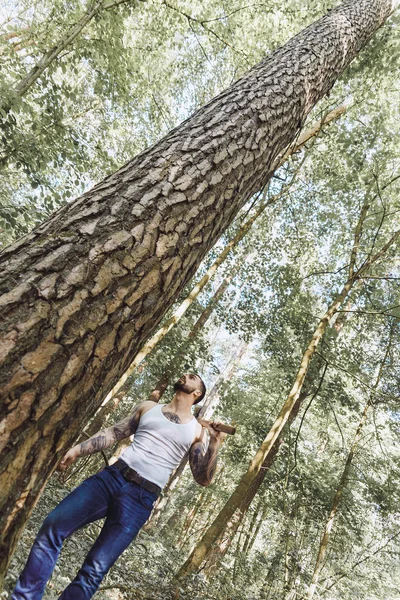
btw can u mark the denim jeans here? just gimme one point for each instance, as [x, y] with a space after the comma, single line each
[126, 506]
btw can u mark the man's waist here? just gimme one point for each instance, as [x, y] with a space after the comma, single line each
[132, 475]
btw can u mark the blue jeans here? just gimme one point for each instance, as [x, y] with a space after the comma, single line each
[126, 506]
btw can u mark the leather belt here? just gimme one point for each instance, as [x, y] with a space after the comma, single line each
[132, 475]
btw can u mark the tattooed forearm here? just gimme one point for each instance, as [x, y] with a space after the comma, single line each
[96, 443]
[108, 437]
[203, 463]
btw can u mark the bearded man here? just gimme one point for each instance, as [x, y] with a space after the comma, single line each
[125, 492]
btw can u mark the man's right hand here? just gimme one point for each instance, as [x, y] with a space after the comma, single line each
[68, 459]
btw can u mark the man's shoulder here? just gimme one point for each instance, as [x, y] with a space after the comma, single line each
[146, 406]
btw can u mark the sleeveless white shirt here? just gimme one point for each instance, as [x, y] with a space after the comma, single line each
[159, 445]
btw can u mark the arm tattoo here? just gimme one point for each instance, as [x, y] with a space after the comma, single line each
[172, 417]
[203, 463]
[108, 437]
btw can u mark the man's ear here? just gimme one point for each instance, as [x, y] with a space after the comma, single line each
[197, 393]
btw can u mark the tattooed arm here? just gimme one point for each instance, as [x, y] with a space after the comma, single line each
[105, 438]
[203, 462]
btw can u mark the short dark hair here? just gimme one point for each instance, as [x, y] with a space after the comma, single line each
[203, 390]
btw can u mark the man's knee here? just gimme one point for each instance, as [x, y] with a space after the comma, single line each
[52, 532]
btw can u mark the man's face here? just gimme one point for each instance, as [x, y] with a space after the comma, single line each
[188, 383]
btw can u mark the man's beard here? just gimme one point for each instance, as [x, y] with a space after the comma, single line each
[179, 386]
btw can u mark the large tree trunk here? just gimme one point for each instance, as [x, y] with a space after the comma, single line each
[179, 312]
[323, 546]
[83, 291]
[305, 136]
[267, 450]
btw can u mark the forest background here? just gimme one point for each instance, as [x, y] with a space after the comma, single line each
[135, 71]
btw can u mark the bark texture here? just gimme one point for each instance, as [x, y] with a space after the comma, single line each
[177, 315]
[82, 292]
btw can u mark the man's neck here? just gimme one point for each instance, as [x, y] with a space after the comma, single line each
[180, 405]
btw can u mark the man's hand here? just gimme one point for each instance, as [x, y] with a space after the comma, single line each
[215, 435]
[68, 459]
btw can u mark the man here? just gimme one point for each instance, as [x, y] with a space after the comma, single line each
[125, 492]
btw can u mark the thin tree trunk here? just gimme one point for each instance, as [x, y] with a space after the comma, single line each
[226, 538]
[121, 253]
[202, 549]
[254, 521]
[250, 543]
[50, 56]
[184, 533]
[343, 480]
[164, 380]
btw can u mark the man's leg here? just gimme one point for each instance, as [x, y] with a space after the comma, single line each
[127, 514]
[85, 504]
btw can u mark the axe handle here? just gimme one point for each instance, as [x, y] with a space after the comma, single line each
[221, 427]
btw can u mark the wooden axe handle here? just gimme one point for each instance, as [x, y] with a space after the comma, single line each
[221, 427]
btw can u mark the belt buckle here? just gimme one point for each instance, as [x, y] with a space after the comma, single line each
[140, 480]
[125, 470]
[134, 476]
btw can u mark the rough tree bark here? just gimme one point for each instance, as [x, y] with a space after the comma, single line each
[179, 312]
[82, 292]
[305, 136]
[323, 546]
[268, 448]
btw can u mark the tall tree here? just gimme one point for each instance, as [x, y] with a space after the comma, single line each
[337, 497]
[118, 255]
[244, 229]
[178, 357]
[268, 448]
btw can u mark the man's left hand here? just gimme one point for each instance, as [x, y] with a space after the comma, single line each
[214, 434]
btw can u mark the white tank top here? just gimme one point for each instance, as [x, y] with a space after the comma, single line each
[159, 445]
